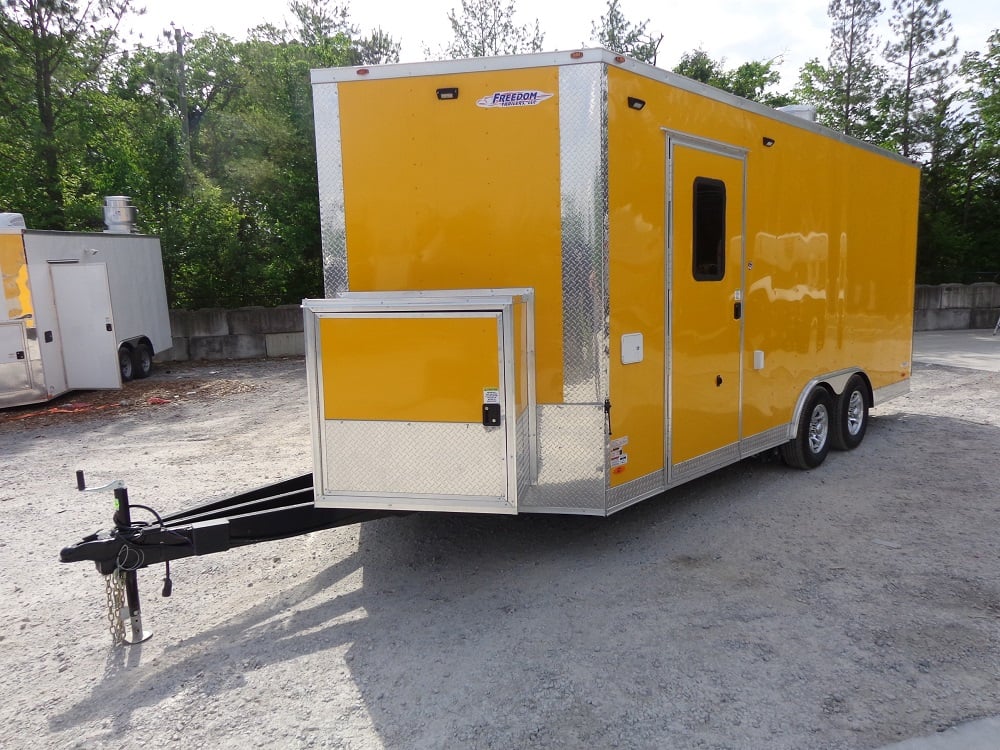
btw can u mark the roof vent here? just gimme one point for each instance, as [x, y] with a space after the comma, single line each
[9, 221]
[119, 214]
[805, 111]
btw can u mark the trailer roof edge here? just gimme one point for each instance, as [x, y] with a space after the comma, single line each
[321, 76]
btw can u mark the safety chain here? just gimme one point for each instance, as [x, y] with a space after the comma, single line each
[114, 589]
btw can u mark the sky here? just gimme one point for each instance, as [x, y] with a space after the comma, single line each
[737, 30]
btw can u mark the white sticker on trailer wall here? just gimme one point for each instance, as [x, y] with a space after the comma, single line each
[618, 456]
[513, 99]
[491, 395]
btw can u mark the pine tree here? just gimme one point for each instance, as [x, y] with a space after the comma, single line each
[485, 27]
[847, 90]
[920, 54]
[618, 34]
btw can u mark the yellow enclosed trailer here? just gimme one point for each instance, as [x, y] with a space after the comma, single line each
[569, 281]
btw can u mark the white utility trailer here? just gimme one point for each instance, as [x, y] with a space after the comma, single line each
[78, 310]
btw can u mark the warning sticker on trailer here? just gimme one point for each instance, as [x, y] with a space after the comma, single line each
[618, 457]
[514, 99]
[491, 395]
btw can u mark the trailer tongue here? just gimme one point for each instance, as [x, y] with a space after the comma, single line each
[268, 513]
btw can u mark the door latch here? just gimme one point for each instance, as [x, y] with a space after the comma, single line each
[491, 415]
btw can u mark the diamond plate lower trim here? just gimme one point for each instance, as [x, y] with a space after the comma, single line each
[886, 392]
[696, 467]
[571, 473]
[439, 458]
[763, 441]
[583, 169]
[330, 177]
[635, 491]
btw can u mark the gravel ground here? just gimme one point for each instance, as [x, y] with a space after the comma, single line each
[760, 607]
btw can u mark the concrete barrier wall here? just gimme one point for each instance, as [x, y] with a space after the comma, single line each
[251, 332]
[246, 333]
[955, 306]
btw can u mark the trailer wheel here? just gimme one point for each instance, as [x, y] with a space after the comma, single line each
[851, 419]
[809, 447]
[125, 363]
[142, 361]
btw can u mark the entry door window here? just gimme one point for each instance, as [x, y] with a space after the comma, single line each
[709, 262]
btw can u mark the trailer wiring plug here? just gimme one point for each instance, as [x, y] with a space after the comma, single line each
[133, 535]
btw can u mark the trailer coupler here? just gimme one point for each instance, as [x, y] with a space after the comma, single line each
[269, 513]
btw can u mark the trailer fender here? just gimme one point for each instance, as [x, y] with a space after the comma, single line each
[834, 382]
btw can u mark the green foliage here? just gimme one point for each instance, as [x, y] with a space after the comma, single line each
[50, 53]
[616, 33]
[486, 27]
[213, 138]
[751, 80]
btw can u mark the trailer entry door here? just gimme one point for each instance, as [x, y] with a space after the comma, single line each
[417, 402]
[87, 337]
[706, 214]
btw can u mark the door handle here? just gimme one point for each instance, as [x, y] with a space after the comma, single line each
[737, 310]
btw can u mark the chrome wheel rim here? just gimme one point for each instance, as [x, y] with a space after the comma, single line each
[819, 426]
[855, 413]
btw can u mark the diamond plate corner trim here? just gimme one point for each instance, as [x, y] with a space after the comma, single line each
[330, 177]
[583, 163]
[571, 473]
[635, 491]
[523, 443]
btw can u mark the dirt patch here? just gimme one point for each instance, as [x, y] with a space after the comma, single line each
[167, 386]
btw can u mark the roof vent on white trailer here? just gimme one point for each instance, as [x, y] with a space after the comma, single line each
[119, 214]
[8, 221]
[805, 111]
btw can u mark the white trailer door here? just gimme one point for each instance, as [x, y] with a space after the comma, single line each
[86, 326]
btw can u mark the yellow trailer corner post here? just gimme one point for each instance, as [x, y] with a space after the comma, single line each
[566, 282]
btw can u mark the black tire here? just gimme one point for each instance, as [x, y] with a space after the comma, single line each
[142, 361]
[811, 443]
[851, 415]
[126, 364]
